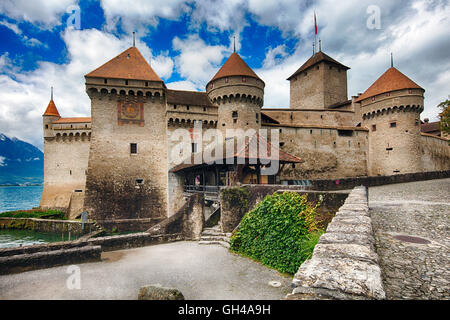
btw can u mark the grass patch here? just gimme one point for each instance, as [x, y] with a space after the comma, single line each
[48, 214]
[281, 232]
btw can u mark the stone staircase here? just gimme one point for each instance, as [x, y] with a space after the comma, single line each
[215, 235]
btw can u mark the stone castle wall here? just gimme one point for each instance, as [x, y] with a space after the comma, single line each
[65, 164]
[119, 184]
[435, 153]
[327, 152]
[316, 117]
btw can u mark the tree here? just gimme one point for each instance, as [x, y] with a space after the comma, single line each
[445, 116]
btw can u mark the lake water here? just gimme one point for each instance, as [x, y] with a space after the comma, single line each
[19, 198]
[17, 238]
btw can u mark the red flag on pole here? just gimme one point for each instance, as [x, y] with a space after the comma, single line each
[315, 23]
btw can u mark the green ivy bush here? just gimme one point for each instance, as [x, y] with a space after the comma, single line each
[281, 232]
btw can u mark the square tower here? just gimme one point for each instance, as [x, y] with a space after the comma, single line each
[127, 176]
[319, 83]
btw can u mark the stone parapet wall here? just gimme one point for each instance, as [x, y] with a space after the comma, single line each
[15, 260]
[134, 240]
[47, 225]
[349, 183]
[47, 259]
[344, 264]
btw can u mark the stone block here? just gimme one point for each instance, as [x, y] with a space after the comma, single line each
[340, 227]
[347, 238]
[341, 276]
[358, 252]
[158, 292]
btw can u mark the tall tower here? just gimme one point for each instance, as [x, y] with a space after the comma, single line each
[319, 83]
[239, 92]
[391, 109]
[127, 174]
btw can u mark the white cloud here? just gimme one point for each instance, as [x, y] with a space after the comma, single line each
[2, 161]
[197, 61]
[141, 13]
[25, 95]
[45, 13]
[183, 85]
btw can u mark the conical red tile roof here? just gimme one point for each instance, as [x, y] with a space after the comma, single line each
[391, 80]
[51, 109]
[315, 59]
[235, 66]
[130, 64]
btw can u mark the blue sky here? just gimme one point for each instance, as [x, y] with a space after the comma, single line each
[186, 42]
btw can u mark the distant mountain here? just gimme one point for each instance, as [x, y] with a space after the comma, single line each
[20, 162]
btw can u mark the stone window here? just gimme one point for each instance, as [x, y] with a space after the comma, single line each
[374, 127]
[204, 109]
[105, 81]
[235, 121]
[393, 125]
[126, 82]
[244, 79]
[226, 80]
[281, 144]
[235, 114]
[317, 67]
[310, 132]
[345, 133]
[46, 126]
[187, 107]
[133, 148]
[175, 107]
[146, 83]
[373, 98]
[194, 147]
[388, 94]
[70, 171]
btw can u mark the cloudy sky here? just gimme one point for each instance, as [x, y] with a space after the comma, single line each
[186, 41]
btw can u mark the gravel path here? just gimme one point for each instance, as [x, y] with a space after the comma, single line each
[199, 272]
[418, 209]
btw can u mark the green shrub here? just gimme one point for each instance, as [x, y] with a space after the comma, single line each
[281, 232]
[49, 214]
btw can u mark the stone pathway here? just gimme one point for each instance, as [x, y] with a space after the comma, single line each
[413, 270]
[199, 272]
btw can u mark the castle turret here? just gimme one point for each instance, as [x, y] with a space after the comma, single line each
[127, 174]
[51, 114]
[391, 109]
[319, 83]
[239, 92]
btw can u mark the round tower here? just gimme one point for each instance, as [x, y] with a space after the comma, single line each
[239, 93]
[391, 109]
[51, 114]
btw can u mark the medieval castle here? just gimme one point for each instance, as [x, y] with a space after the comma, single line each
[116, 165]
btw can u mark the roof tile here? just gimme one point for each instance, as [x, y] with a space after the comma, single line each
[51, 109]
[315, 59]
[130, 64]
[235, 66]
[391, 80]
